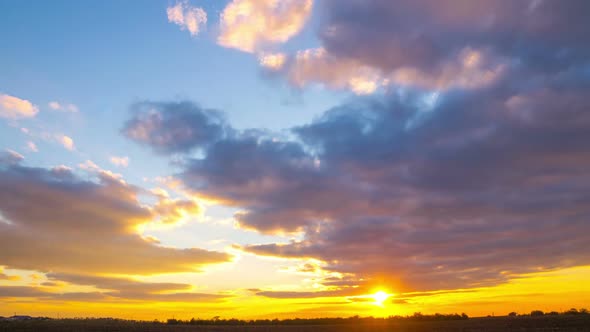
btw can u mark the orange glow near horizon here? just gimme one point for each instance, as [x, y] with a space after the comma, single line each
[556, 290]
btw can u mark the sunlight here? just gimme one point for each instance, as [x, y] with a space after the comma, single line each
[380, 297]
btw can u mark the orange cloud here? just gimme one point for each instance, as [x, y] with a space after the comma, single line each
[15, 108]
[67, 142]
[248, 24]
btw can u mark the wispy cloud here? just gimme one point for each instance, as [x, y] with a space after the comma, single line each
[32, 146]
[64, 107]
[119, 161]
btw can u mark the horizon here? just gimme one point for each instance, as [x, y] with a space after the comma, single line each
[294, 158]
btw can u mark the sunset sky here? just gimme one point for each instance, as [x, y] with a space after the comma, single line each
[293, 158]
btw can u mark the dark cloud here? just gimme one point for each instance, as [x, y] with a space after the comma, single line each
[47, 295]
[467, 192]
[440, 45]
[65, 224]
[174, 126]
[317, 294]
[485, 185]
[425, 33]
[130, 289]
[10, 157]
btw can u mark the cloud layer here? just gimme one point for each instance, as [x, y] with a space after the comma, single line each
[53, 221]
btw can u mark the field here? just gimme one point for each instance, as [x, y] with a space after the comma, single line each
[488, 324]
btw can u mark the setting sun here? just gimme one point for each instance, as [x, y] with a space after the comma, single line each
[380, 297]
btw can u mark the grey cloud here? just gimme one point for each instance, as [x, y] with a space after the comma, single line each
[174, 126]
[465, 188]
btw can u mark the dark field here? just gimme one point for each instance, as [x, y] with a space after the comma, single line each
[491, 324]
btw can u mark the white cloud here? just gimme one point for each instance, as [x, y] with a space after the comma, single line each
[15, 108]
[120, 161]
[187, 17]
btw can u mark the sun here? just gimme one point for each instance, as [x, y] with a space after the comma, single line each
[380, 297]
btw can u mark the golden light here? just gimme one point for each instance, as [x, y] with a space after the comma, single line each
[380, 297]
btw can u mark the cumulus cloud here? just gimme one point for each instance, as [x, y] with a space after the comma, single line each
[119, 161]
[15, 108]
[61, 223]
[248, 25]
[187, 17]
[64, 107]
[175, 126]
[366, 47]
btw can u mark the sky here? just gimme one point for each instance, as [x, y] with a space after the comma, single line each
[293, 158]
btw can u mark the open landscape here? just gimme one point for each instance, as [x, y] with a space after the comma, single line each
[536, 321]
[482, 324]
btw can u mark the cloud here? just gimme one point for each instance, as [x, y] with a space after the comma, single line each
[249, 25]
[474, 171]
[61, 223]
[10, 157]
[44, 294]
[187, 17]
[470, 69]
[174, 127]
[15, 108]
[459, 190]
[369, 47]
[4, 276]
[308, 295]
[32, 146]
[56, 106]
[130, 289]
[119, 161]
[272, 61]
[67, 142]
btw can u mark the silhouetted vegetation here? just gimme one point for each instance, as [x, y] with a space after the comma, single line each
[536, 313]
[537, 320]
[318, 321]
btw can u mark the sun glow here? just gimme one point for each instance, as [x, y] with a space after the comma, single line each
[380, 297]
